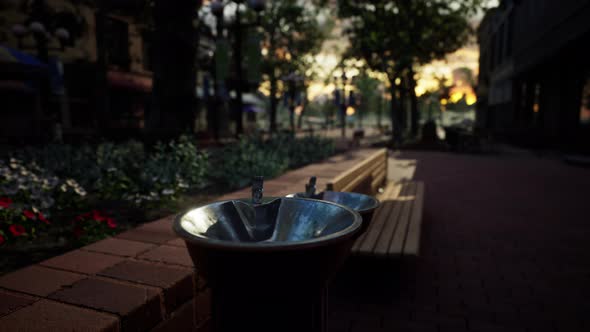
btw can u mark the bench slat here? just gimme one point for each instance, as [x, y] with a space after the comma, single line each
[394, 221]
[378, 180]
[412, 245]
[377, 224]
[366, 242]
[363, 177]
[346, 178]
[358, 244]
[397, 242]
[389, 190]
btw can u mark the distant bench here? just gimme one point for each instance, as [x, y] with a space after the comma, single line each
[395, 228]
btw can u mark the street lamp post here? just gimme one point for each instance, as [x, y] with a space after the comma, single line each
[258, 7]
[292, 80]
[343, 104]
[40, 28]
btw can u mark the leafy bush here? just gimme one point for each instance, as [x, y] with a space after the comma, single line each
[119, 166]
[171, 169]
[237, 163]
[303, 151]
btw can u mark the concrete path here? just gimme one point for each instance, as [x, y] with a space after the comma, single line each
[505, 247]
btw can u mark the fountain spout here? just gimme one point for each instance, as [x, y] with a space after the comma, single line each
[310, 188]
[257, 189]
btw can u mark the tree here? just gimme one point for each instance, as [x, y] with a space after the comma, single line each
[368, 88]
[174, 68]
[291, 34]
[393, 36]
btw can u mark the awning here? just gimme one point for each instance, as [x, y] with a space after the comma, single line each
[130, 81]
[16, 65]
[10, 55]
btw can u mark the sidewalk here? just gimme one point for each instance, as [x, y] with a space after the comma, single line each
[505, 247]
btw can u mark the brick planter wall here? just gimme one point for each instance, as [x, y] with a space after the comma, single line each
[139, 280]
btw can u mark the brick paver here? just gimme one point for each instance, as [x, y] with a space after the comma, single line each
[169, 255]
[505, 247]
[46, 315]
[10, 302]
[80, 261]
[139, 306]
[37, 280]
[119, 247]
[177, 283]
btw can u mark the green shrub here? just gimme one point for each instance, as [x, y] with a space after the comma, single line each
[120, 166]
[169, 170]
[237, 163]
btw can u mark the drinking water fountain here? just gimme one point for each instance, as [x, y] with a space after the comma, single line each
[268, 261]
[365, 205]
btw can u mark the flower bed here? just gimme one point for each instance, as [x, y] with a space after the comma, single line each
[59, 197]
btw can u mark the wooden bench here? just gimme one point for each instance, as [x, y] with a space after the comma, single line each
[366, 177]
[395, 228]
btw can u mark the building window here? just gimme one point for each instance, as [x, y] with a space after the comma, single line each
[117, 43]
[147, 51]
[493, 52]
[585, 105]
[510, 34]
[501, 40]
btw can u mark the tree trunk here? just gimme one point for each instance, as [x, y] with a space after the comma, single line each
[174, 67]
[274, 103]
[394, 114]
[403, 114]
[413, 102]
[303, 109]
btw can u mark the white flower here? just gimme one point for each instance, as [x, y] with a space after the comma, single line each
[168, 192]
[71, 182]
[80, 191]
[63, 188]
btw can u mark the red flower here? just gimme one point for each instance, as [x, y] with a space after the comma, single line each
[42, 218]
[97, 216]
[1, 239]
[29, 214]
[5, 202]
[111, 223]
[16, 230]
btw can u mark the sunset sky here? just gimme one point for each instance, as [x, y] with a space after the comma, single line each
[468, 57]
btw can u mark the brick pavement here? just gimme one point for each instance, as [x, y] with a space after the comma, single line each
[505, 247]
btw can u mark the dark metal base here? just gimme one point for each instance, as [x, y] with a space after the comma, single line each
[271, 291]
[267, 310]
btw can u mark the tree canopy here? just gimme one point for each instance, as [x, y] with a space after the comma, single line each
[292, 34]
[393, 36]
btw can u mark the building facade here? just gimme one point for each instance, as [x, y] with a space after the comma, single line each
[85, 89]
[535, 73]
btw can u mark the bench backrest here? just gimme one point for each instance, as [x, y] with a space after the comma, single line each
[365, 178]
